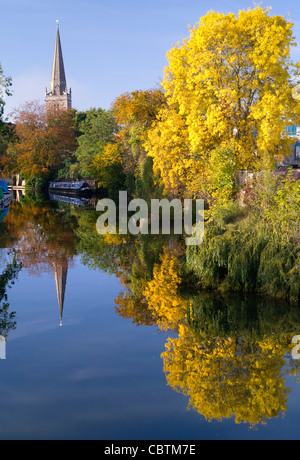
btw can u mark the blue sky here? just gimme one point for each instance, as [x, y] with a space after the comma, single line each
[109, 46]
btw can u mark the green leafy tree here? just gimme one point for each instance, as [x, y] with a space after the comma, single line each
[97, 128]
[135, 112]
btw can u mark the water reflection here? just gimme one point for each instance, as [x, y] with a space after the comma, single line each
[232, 357]
[43, 239]
[60, 268]
[7, 279]
[229, 355]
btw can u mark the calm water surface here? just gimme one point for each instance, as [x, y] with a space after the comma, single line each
[88, 358]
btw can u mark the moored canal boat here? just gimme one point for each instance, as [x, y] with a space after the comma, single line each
[70, 188]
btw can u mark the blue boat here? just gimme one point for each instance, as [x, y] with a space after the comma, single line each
[5, 196]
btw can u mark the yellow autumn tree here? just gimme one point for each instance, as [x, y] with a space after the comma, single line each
[134, 113]
[168, 144]
[107, 166]
[228, 85]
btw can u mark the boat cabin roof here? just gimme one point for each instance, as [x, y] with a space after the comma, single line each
[72, 185]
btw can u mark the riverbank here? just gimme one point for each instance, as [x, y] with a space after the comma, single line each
[254, 247]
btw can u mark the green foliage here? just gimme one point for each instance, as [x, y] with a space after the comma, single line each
[6, 136]
[7, 278]
[254, 249]
[37, 182]
[286, 206]
[146, 186]
[237, 315]
[98, 128]
[135, 112]
[70, 170]
[221, 168]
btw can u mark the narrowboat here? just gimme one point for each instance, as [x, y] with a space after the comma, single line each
[70, 188]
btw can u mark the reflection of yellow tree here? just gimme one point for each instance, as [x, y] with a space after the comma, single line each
[162, 293]
[226, 377]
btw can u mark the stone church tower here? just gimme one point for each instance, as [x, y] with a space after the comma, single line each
[58, 95]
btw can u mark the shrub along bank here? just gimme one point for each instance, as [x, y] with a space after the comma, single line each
[254, 248]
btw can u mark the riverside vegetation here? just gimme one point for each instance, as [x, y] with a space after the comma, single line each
[223, 105]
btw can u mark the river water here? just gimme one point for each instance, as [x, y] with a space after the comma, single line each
[87, 356]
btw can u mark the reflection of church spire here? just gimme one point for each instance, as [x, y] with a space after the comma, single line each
[60, 268]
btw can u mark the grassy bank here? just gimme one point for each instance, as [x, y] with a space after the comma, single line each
[254, 248]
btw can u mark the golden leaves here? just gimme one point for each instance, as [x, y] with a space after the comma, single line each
[225, 377]
[162, 293]
[230, 76]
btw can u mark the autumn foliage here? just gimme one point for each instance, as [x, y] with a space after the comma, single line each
[228, 85]
[44, 140]
[134, 113]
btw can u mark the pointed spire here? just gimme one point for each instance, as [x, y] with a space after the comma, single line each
[58, 84]
[58, 95]
[60, 268]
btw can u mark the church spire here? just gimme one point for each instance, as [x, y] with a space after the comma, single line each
[58, 84]
[58, 94]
